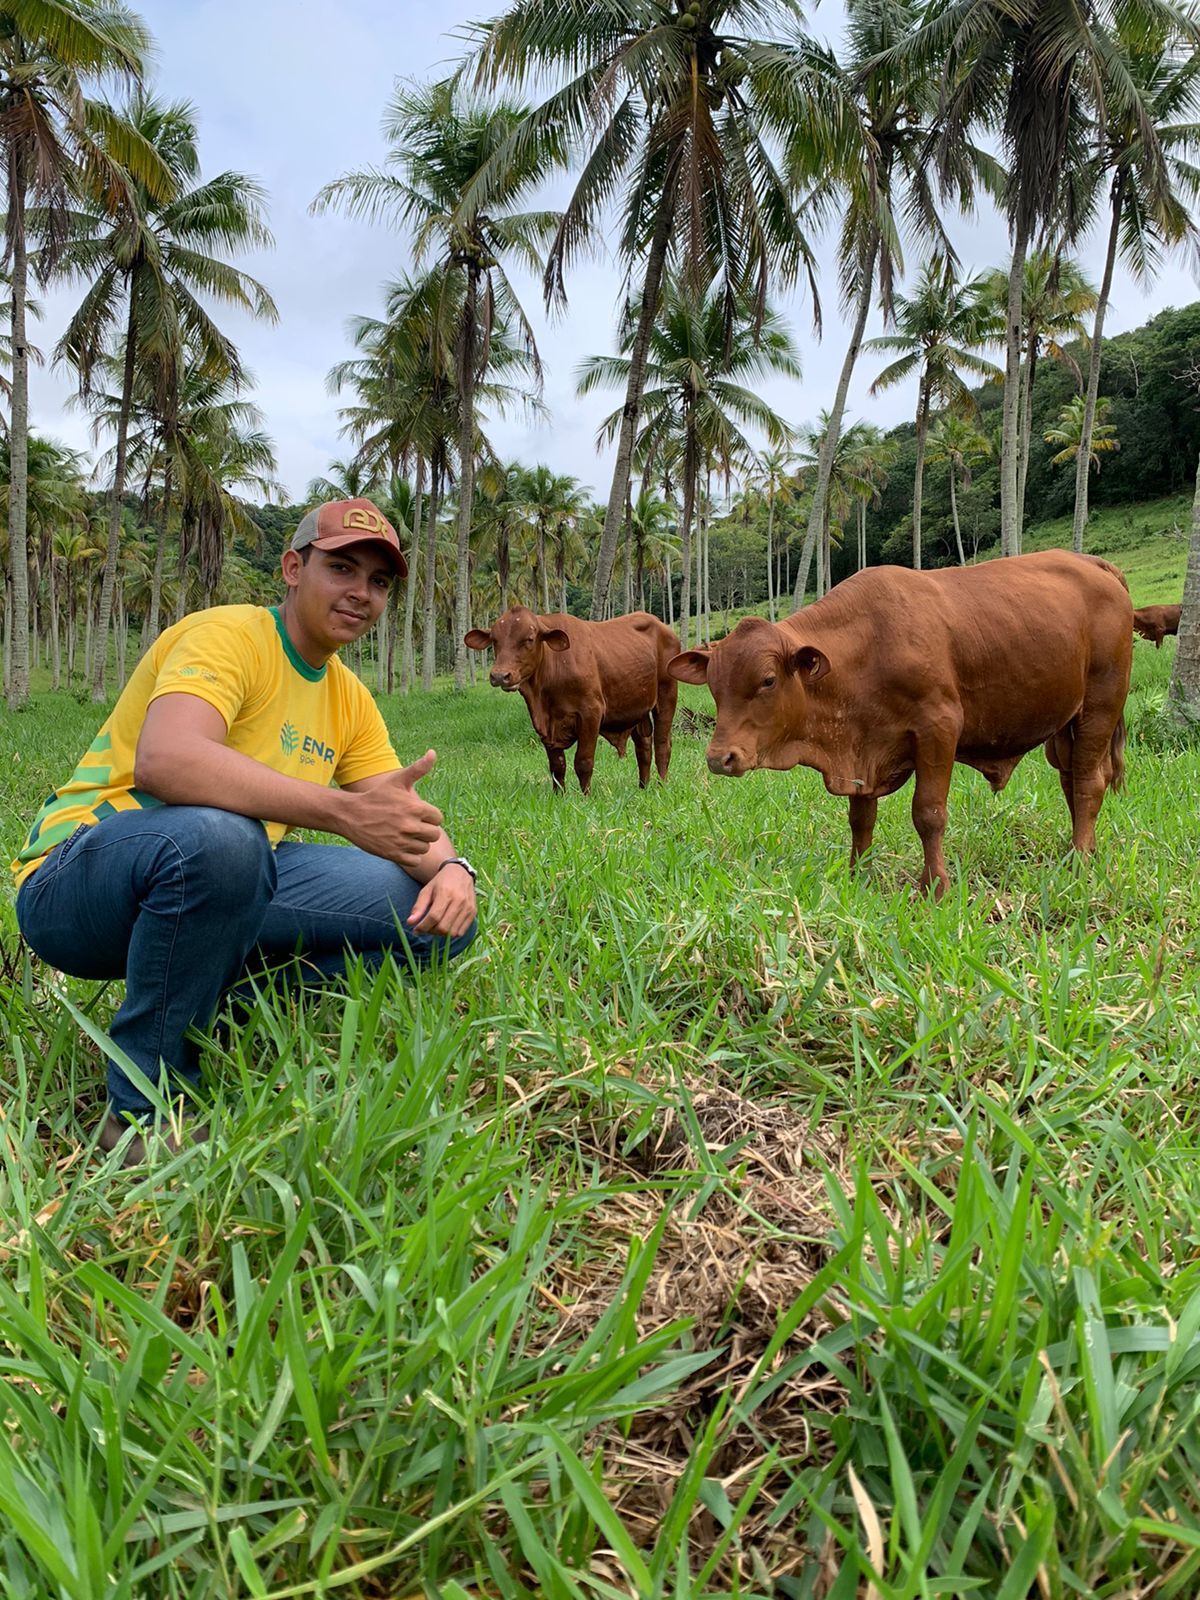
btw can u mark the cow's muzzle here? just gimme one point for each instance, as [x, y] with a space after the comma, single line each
[728, 763]
[501, 680]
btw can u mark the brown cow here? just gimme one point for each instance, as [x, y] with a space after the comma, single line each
[1156, 622]
[587, 680]
[896, 672]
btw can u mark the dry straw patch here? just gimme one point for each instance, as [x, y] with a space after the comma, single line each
[731, 1262]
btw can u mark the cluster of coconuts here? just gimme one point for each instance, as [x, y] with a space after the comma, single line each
[689, 14]
[476, 255]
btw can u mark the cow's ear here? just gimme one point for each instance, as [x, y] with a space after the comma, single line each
[690, 667]
[810, 662]
[556, 639]
[477, 639]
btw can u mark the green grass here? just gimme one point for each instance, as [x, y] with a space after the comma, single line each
[723, 1223]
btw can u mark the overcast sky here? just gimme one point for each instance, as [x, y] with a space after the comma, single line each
[293, 92]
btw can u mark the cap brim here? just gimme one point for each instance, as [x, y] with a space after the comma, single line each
[341, 541]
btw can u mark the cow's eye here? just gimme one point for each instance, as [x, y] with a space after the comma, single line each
[769, 682]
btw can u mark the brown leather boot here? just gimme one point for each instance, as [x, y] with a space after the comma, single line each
[169, 1139]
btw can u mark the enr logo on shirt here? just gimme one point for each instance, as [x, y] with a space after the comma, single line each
[312, 752]
[315, 752]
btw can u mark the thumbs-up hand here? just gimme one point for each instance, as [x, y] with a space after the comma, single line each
[416, 770]
[390, 819]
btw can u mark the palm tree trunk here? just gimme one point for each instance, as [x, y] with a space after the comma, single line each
[707, 570]
[109, 579]
[543, 586]
[156, 577]
[1031, 363]
[120, 632]
[962, 559]
[698, 543]
[770, 551]
[1083, 459]
[817, 515]
[613, 512]
[466, 476]
[1183, 695]
[919, 475]
[560, 562]
[407, 660]
[670, 590]
[862, 534]
[17, 632]
[1010, 507]
[7, 634]
[691, 470]
[429, 601]
[71, 599]
[55, 639]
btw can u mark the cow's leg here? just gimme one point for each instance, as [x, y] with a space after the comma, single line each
[929, 816]
[664, 716]
[862, 825]
[558, 767]
[585, 754]
[1060, 754]
[1091, 772]
[643, 745]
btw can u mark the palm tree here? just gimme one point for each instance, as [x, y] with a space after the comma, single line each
[145, 265]
[1055, 297]
[1071, 430]
[957, 441]
[679, 110]
[938, 327]
[1148, 208]
[440, 140]
[696, 399]
[554, 504]
[888, 182]
[852, 477]
[775, 487]
[53, 138]
[1043, 73]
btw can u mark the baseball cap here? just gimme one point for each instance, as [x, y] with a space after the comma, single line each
[337, 523]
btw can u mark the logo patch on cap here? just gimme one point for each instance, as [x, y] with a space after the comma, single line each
[366, 518]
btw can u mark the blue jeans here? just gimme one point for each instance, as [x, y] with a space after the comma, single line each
[183, 901]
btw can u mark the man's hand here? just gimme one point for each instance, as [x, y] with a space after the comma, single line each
[390, 819]
[446, 905]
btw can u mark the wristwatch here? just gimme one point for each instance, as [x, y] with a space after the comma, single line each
[459, 861]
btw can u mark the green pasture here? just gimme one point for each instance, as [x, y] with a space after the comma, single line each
[723, 1223]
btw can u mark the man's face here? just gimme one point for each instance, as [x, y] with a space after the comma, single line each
[338, 595]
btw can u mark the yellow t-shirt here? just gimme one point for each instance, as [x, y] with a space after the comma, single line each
[319, 724]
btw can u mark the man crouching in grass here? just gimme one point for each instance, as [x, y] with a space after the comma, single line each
[164, 860]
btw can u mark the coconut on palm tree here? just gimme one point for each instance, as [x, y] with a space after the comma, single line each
[938, 330]
[683, 111]
[146, 263]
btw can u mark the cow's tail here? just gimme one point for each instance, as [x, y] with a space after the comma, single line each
[1116, 571]
[1116, 751]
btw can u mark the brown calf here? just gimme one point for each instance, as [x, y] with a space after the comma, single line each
[897, 672]
[588, 680]
[1156, 622]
